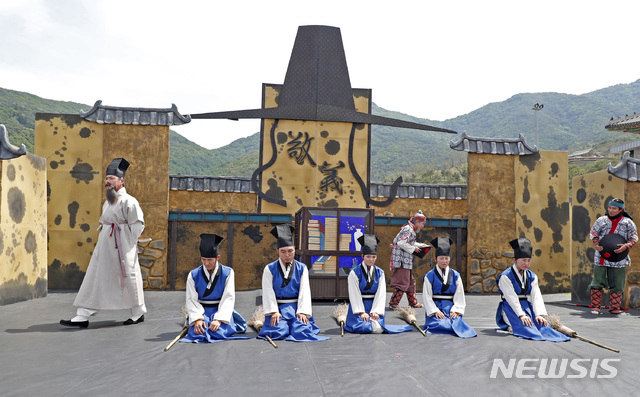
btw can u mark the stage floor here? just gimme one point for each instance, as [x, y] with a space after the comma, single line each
[41, 357]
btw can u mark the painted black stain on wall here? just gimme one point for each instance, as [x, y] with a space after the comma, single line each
[281, 138]
[332, 147]
[324, 133]
[530, 161]
[65, 276]
[82, 172]
[58, 219]
[73, 211]
[11, 172]
[85, 227]
[537, 233]
[253, 232]
[274, 190]
[526, 196]
[85, 132]
[17, 204]
[581, 195]
[581, 223]
[555, 216]
[554, 170]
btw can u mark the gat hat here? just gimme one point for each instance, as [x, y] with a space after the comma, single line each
[117, 167]
[609, 243]
[209, 244]
[284, 234]
[369, 243]
[521, 248]
[442, 245]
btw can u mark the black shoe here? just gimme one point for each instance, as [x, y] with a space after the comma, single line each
[69, 323]
[130, 321]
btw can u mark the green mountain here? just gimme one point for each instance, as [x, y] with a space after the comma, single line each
[567, 122]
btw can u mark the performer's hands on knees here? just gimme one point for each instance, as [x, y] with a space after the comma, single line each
[439, 315]
[275, 318]
[526, 320]
[215, 324]
[374, 316]
[365, 317]
[453, 315]
[303, 318]
[198, 327]
[542, 321]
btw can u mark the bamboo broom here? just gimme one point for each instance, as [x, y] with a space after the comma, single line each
[183, 332]
[555, 323]
[409, 315]
[257, 321]
[340, 314]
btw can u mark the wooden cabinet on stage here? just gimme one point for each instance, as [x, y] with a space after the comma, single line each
[327, 244]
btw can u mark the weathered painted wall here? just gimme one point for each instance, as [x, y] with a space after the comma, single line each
[311, 167]
[518, 196]
[183, 200]
[492, 218]
[77, 153]
[253, 247]
[542, 216]
[23, 233]
[592, 193]
[431, 208]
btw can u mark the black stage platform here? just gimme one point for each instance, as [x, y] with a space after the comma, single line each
[40, 357]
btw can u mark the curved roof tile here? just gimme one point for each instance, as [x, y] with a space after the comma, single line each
[134, 116]
[508, 146]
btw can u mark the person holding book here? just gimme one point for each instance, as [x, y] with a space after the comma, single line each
[404, 248]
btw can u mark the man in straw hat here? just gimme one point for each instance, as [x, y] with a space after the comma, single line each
[211, 295]
[113, 280]
[443, 295]
[367, 293]
[613, 236]
[404, 248]
[286, 295]
[522, 309]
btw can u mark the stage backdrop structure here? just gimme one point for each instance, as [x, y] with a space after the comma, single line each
[315, 135]
[23, 231]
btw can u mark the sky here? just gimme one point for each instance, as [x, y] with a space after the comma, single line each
[429, 59]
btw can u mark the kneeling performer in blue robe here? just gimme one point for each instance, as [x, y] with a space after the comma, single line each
[367, 294]
[522, 308]
[211, 296]
[443, 295]
[286, 295]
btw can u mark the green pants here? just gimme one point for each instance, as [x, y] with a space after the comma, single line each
[613, 278]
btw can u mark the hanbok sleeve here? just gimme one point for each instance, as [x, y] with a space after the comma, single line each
[510, 295]
[304, 295]
[269, 303]
[379, 300]
[355, 295]
[459, 303]
[427, 295]
[536, 298]
[227, 301]
[195, 311]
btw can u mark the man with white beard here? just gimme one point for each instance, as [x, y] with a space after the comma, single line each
[113, 280]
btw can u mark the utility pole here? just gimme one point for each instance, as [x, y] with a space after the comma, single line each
[537, 107]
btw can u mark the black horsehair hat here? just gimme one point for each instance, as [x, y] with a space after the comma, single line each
[284, 234]
[369, 243]
[442, 246]
[117, 167]
[209, 244]
[521, 248]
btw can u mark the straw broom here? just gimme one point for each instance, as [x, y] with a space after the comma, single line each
[257, 321]
[340, 314]
[555, 323]
[183, 332]
[409, 315]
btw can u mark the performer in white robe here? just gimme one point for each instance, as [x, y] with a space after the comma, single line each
[113, 280]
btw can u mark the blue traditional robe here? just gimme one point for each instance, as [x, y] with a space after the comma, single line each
[368, 290]
[210, 299]
[442, 295]
[286, 294]
[535, 332]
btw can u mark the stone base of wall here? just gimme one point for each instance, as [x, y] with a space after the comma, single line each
[484, 267]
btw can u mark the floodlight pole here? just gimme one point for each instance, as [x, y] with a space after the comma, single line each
[537, 107]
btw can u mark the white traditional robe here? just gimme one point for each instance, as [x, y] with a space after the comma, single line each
[103, 287]
[195, 309]
[269, 302]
